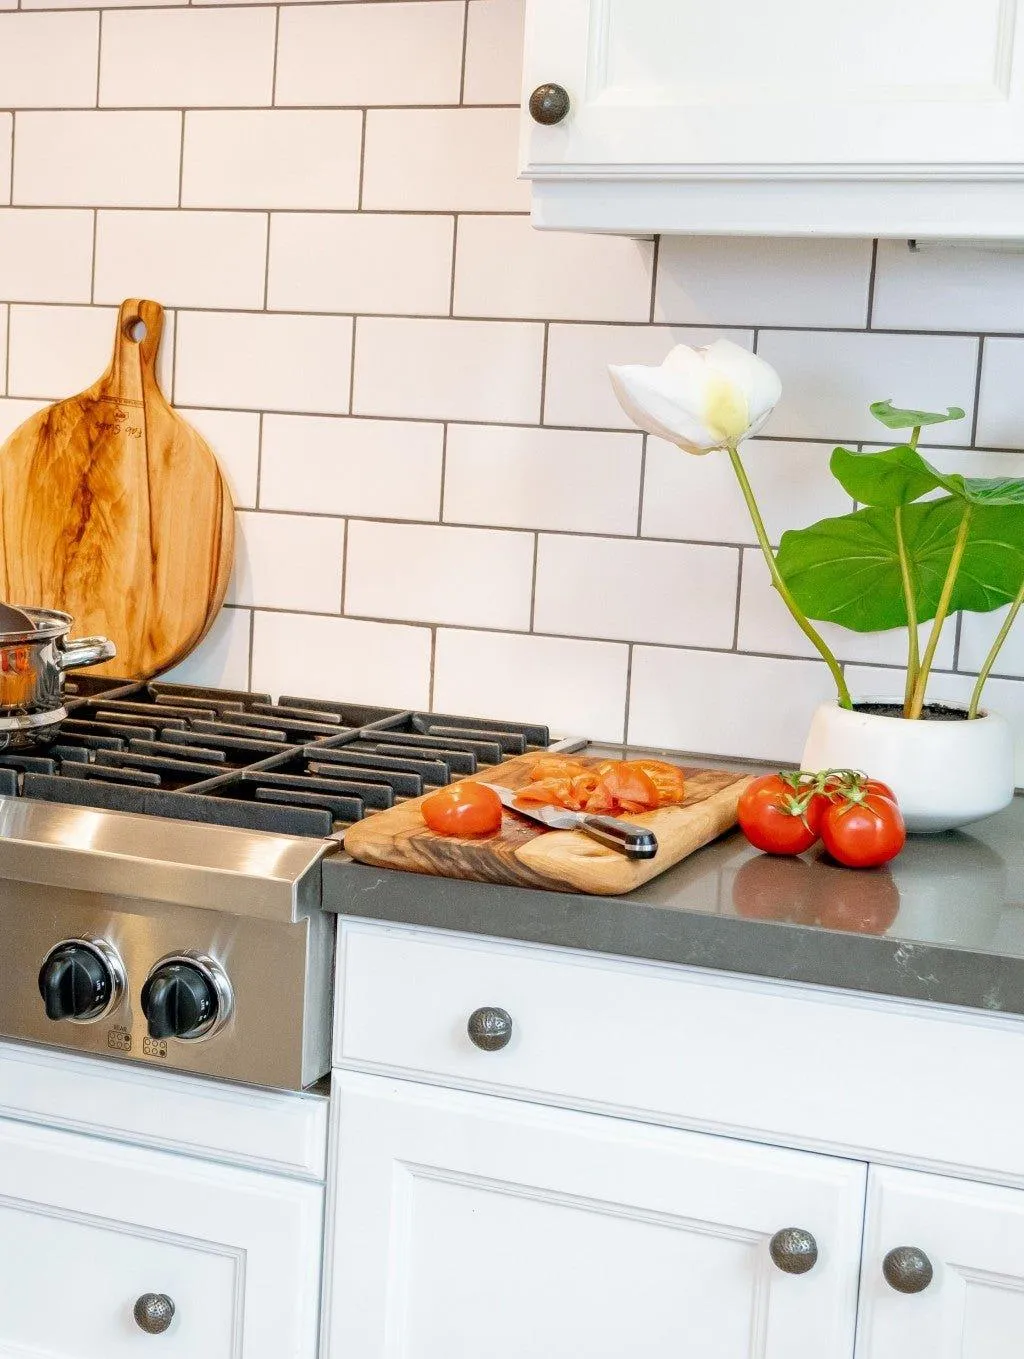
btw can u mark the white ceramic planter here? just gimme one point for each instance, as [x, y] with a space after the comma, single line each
[944, 774]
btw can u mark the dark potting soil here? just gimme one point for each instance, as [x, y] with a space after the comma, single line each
[932, 712]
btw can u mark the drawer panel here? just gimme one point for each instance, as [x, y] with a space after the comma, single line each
[899, 1081]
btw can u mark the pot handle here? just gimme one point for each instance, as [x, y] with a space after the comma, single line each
[85, 651]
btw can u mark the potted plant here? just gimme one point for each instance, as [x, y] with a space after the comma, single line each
[922, 545]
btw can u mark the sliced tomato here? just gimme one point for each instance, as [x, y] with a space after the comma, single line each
[668, 779]
[630, 788]
[463, 809]
[546, 793]
[558, 767]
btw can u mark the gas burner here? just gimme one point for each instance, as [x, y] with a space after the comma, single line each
[23, 731]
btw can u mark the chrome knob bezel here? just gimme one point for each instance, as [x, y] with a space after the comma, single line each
[106, 954]
[211, 971]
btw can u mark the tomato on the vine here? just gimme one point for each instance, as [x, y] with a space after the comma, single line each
[781, 814]
[464, 809]
[862, 829]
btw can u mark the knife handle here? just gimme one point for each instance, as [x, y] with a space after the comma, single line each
[635, 842]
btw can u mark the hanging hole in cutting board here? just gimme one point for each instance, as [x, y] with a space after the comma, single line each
[136, 330]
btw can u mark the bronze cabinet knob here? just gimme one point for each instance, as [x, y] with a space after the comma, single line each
[549, 104]
[793, 1250]
[907, 1269]
[490, 1028]
[153, 1313]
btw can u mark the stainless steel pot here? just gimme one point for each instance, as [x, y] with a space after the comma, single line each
[32, 666]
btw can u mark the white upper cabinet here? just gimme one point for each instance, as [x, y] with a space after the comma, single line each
[792, 117]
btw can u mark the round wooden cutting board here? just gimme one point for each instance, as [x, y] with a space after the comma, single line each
[114, 509]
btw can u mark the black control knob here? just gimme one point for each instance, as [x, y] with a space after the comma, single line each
[180, 1000]
[77, 982]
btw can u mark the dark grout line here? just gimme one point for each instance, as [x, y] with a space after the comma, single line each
[872, 276]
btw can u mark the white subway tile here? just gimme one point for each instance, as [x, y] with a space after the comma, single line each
[45, 255]
[869, 682]
[6, 155]
[942, 287]
[187, 259]
[183, 58]
[518, 477]
[449, 370]
[288, 561]
[443, 160]
[776, 281]
[505, 267]
[264, 362]
[494, 52]
[56, 352]
[90, 4]
[578, 688]
[578, 391]
[632, 591]
[388, 469]
[829, 381]
[400, 52]
[433, 574]
[4, 310]
[48, 59]
[13, 410]
[750, 707]
[222, 657]
[698, 498]
[1000, 409]
[361, 262]
[235, 438]
[97, 159]
[977, 634]
[381, 663]
[272, 158]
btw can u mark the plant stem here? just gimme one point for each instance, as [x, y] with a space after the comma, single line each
[913, 648]
[917, 699]
[915, 435]
[801, 619]
[994, 651]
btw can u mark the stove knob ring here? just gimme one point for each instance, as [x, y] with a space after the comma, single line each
[82, 980]
[186, 996]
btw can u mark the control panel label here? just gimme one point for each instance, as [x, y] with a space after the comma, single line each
[154, 1047]
[119, 1039]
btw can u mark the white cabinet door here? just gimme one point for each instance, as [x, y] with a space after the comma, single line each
[973, 1238]
[467, 1225]
[87, 1227]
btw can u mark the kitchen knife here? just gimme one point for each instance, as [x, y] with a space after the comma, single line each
[635, 842]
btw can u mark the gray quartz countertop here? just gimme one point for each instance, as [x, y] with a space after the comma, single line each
[943, 923]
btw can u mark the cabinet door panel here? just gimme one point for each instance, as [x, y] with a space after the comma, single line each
[468, 1225]
[974, 1237]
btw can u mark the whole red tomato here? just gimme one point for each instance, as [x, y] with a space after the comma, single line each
[780, 815]
[464, 809]
[863, 829]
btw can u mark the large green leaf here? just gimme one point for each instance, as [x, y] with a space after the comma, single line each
[894, 418]
[897, 476]
[847, 570]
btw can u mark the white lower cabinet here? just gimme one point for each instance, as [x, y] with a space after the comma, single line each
[469, 1225]
[89, 1226]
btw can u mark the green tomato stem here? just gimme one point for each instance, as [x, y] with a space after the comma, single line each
[913, 649]
[994, 651]
[915, 434]
[800, 618]
[917, 699]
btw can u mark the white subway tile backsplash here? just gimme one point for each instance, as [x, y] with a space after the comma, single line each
[222, 657]
[380, 663]
[448, 370]
[398, 52]
[264, 362]
[830, 380]
[579, 688]
[1000, 409]
[271, 158]
[45, 255]
[186, 259]
[723, 704]
[518, 477]
[633, 591]
[182, 58]
[364, 262]
[578, 391]
[443, 160]
[235, 438]
[288, 561]
[943, 287]
[6, 156]
[494, 52]
[977, 634]
[436, 574]
[14, 411]
[747, 281]
[3, 367]
[97, 159]
[550, 274]
[55, 352]
[48, 60]
[387, 469]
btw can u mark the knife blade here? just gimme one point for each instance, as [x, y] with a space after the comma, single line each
[635, 842]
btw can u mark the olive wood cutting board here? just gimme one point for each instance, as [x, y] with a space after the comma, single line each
[114, 509]
[524, 853]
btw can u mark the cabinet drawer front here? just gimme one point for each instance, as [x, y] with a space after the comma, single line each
[87, 1228]
[784, 1063]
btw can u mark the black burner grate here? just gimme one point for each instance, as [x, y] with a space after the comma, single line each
[299, 766]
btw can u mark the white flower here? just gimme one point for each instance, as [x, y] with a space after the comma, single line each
[700, 399]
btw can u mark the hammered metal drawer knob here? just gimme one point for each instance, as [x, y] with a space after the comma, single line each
[490, 1028]
[153, 1313]
[793, 1250]
[549, 104]
[907, 1269]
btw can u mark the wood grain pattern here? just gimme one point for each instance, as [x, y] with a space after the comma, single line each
[114, 509]
[523, 853]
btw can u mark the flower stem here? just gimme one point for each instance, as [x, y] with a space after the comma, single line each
[801, 619]
[917, 699]
[994, 651]
[913, 649]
